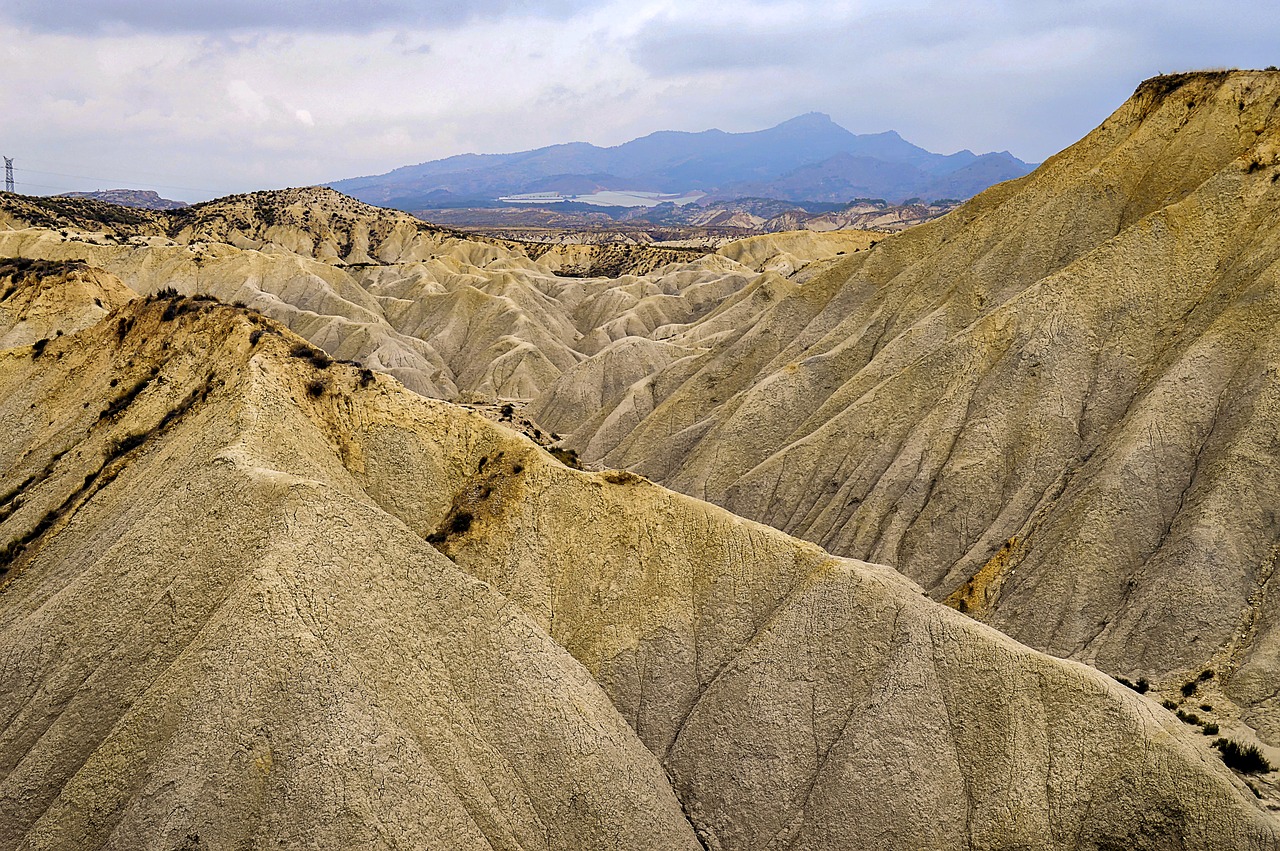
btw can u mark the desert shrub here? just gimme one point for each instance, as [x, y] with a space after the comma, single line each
[126, 399]
[37, 348]
[622, 477]
[1141, 686]
[254, 336]
[316, 387]
[567, 457]
[1187, 717]
[318, 358]
[1205, 675]
[507, 411]
[1189, 689]
[123, 326]
[170, 312]
[1209, 728]
[1247, 759]
[121, 445]
[1168, 704]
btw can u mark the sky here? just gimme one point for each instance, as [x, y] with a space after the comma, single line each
[201, 98]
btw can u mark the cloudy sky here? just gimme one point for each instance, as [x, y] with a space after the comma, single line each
[198, 98]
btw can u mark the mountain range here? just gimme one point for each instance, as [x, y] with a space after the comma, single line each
[809, 158]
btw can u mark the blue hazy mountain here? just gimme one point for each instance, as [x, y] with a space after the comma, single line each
[809, 158]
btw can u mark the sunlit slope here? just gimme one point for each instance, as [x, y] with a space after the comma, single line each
[1055, 406]
[258, 598]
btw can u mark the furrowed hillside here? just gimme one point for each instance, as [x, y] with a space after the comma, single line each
[1055, 407]
[246, 589]
[451, 316]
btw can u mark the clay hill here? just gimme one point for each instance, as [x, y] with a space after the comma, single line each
[449, 315]
[1053, 409]
[144, 199]
[708, 225]
[253, 597]
[809, 158]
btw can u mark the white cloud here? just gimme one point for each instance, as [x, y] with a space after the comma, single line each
[249, 104]
[192, 104]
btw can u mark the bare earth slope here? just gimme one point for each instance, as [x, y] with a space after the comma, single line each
[255, 599]
[1056, 407]
[451, 316]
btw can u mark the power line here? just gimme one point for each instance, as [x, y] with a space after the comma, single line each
[115, 180]
[43, 163]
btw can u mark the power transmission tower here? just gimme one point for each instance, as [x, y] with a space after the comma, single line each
[8, 174]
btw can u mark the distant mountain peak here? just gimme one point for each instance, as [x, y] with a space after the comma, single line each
[782, 162]
[815, 119]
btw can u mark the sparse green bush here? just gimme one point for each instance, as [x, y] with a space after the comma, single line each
[1247, 759]
[1141, 686]
[567, 457]
[1187, 717]
[1209, 728]
[1189, 689]
[316, 387]
[457, 524]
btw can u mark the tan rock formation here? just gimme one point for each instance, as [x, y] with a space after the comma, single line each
[252, 596]
[1053, 407]
[451, 317]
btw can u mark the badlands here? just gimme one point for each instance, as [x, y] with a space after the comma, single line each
[871, 528]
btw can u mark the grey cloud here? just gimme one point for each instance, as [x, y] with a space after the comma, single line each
[1029, 77]
[194, 16]
[813, 35]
